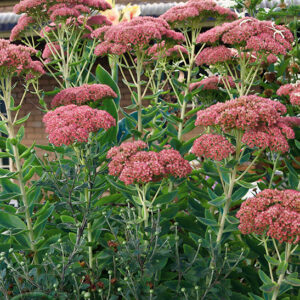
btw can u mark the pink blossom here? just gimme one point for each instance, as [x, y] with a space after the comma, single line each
[69, 124]
[51, 50]
[23, 22]
[134, 35]
[291, 90]
[133, 165]
[16, 60]
[160, 50]
[34, 7]
[85, 94]
[213, 55]
[251, 34]
[212, 83]
[246, 112]
[174, 163]
[291, 121]
[273, 212]
[274, 137]
[192, 13]
[212, 146]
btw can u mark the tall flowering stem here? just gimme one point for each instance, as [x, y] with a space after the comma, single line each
[131, 40]
[273, 214]
[255, 123]
[17, 60]
[67, 37]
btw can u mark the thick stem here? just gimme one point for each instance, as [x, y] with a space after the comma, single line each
[281, 276]
[12, 135]
[273, 171]
[139, 93]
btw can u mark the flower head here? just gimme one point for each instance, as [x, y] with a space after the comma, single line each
[213, 55]
[69, 124]
[273, 212]
[193, 12]
[212, 83]
[16, 60]
[212, 146]
[245, 112]
[291, 90]
[135, 35]
[133, 165]
[85, 94]
[250, 34]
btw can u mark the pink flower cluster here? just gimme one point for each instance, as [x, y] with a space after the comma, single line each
[160, 50]
[260, 118]
[212, 146]
[193, 12]
[291, 90]
[273, 137]
[51, 50]
[213, 55]
[251, 34]
[274, 213]
[133, 165]
[69, 124]
[16, 60]
[246, 112]
[71, 12]
[134, 35]
[35, 7]
[23, 22]
[84, 94]
[212, 83]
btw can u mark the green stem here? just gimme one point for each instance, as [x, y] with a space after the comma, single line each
[273, 171]
[281, 276]
[139, 92]
[267, 252]
[11, 134]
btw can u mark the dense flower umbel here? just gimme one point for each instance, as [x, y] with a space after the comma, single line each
[43, 7]
[291, 90]
[246, 112]
[260, 118]
[69, 124]
[251, 34]
[159, 51]
[192, 13]
[85, 94]
[273, 137]
[273, 212]
[23, 22]
[132, 164]
[134, 35]
[212, 83]
[212, 146]
[16, 60]
[213, 55]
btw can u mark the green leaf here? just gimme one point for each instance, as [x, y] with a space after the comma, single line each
[5, 154]
[219, 201]
[269, 287]
[22, 120]
[114, 198]
[245, 184]
[282, 268]
[292, 280]
[104, 77]
[208, 222]
[264, 277]
[272, 260]
[10, 221]
[67, 219]
[72, 237]
[239, 194]
[297, 144]
[166, 198]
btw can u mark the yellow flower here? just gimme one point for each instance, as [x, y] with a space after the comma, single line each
[112, 15]
[130, 11]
